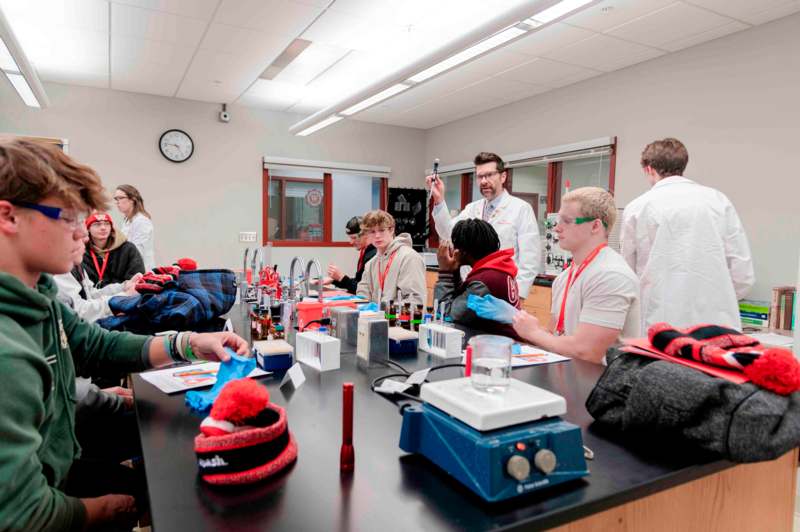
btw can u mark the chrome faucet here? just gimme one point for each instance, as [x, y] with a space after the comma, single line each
[315, 263]
[243, 286]
[292, 266]
[258, 260]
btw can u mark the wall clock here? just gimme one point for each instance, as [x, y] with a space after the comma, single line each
[176, 145]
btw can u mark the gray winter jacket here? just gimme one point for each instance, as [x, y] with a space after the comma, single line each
[660, 401]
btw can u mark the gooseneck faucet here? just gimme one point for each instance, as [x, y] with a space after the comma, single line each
[315, 263]
[292, 266]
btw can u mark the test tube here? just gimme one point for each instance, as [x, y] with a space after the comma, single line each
[347, 455]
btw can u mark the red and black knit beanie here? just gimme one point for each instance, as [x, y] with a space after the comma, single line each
[245, 438]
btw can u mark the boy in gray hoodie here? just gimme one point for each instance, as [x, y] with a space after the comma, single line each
[395, 267]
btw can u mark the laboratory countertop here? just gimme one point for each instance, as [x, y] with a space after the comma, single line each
[389, 490]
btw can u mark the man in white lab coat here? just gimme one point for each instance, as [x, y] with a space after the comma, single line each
[687, 245]
[512, 218]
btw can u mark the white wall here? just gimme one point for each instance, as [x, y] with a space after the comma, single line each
[200, 206]
[735, 103]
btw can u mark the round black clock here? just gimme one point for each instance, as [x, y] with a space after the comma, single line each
[176, 145]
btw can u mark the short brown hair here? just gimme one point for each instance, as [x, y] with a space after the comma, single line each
[489, 157]
[594, 202]
[31, 171]
[377, 219]
[138, 202]
[667, 157]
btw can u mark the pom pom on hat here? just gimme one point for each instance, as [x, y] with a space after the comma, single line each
[245, 438]
[776, 370]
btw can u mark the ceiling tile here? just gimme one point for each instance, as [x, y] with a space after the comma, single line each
[675, 22]
[542, 71]
[709, 35]
[497, 90]
[203, 9]
[607, 14]
[311, 62]
[129, 21]
[89, 15]
[552, 37]
[147, 66]
[605, 53]
[751, 11]
[218, 77]
[232, 40]
[281, 16]
[270, 94]
[58, 52]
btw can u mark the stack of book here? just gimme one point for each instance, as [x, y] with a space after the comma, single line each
[754, 313]
[781, 311]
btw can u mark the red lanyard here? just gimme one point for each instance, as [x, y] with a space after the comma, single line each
[100, 271]
[382, 277]
[361, 259]
[571, 280]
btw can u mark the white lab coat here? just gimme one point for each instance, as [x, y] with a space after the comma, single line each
[139, 231]
[515, 223]
[95, 306]
[690, 251]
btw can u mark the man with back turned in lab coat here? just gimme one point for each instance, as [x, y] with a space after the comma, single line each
[687, 245]
[512, 218]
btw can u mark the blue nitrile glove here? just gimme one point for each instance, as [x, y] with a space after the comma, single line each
[237, 367]
[368, 307]
[489, 307]
[516, 349]
[341, 298]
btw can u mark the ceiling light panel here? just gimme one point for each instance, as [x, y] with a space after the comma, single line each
[7, 62]
[556, 11]
[23, 89]
[320, 125]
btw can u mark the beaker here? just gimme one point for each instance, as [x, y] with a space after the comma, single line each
[491, 362]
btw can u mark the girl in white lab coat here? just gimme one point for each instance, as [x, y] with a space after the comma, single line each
[137, 226]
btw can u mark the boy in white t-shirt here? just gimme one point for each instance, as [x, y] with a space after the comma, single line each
[596, 300]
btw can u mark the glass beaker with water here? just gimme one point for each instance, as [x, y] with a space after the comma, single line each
[491, 362]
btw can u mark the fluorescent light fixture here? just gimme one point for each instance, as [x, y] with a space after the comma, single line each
[557, 11]
[18, 69]
[7, 62]
[319, 125]
[502, 29]
[484, 46]
[23, 89]
[372, 100]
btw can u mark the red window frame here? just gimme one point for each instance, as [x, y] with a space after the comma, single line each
[327, 210]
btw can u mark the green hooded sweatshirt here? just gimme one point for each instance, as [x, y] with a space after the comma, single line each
[42, 343]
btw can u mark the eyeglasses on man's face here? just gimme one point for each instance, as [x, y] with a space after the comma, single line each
[485, 176]
[70, 218]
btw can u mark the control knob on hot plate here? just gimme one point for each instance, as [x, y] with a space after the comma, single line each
[518, 467]
[545, 461]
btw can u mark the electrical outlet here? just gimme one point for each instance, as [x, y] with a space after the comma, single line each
[247, 236]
